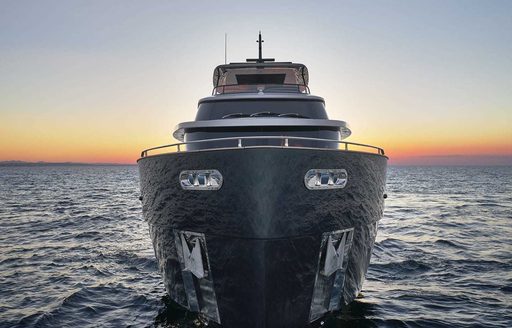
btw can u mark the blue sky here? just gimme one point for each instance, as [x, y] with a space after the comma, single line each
[404, 74]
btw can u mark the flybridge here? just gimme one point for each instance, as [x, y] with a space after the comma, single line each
[260, 75]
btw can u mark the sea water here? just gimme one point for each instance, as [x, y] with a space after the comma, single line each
[75, 251]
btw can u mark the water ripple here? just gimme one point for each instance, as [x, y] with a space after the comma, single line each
[75, 252]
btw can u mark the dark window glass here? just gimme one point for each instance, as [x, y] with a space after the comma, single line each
[260, 78]
[213, 110]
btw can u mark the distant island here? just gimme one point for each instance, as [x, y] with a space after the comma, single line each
[40, 163]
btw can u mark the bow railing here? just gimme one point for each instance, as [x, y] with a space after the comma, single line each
[252, 142]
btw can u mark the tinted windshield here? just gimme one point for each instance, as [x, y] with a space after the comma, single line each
[218, 109]
[260, 79]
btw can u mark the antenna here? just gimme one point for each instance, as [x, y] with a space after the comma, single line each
[260, 58]
[260, 41]
[225, 48]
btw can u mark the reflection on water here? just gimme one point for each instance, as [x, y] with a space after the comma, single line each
[74, 252]
[173, 315]
[358, 314]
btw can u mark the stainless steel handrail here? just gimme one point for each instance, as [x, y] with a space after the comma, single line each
[285, 143]
[216, 90]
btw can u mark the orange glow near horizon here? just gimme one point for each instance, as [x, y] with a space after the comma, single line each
[80, 137]
[124, 146]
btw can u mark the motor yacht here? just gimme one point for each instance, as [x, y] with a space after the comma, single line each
[262, 215]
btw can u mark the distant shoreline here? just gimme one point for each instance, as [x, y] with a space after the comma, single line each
[426, 164]
[22, 163]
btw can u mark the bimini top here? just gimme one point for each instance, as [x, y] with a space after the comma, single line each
[260, 74]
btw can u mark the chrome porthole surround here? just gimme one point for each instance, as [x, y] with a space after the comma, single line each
[201, 179]
[322, 179]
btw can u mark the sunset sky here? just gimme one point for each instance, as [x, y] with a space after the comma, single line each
[98, 81]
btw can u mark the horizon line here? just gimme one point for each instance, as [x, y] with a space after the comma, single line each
[435, 160]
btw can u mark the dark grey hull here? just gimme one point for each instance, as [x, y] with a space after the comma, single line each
[263, 236]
